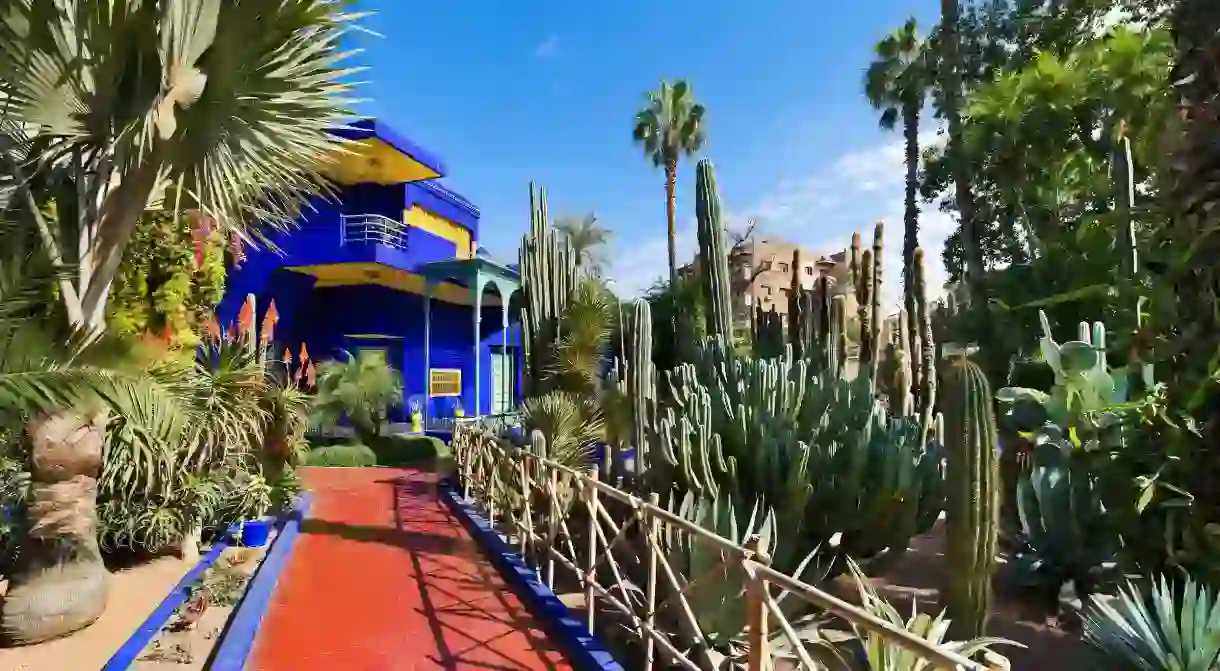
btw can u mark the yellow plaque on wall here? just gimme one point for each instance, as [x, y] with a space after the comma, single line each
[445, 382]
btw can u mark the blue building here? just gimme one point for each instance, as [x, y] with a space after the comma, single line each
[391, 266]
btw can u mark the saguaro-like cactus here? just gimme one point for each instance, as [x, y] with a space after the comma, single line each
[713, 253]
[972, 503]
[641, 383]
[548, 275]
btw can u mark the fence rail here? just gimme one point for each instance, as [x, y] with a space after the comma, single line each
[611, 542]
[373, 228]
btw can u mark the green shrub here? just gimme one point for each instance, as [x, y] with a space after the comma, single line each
[403, 450]
[353, 455]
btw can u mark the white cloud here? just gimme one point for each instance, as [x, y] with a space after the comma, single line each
[548, 48]
[821, 210]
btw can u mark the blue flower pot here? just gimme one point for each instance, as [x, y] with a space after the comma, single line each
[254, 533]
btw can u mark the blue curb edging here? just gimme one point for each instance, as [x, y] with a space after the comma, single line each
[585, 652]
[237, 640]
[126, 655]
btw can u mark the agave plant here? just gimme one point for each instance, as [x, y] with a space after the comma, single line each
[884, 655]
[1172, 628]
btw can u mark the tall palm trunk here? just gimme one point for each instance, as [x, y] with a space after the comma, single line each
[910, 239]
[671, 215]
[61, 585]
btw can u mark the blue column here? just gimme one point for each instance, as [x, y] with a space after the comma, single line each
[426, 410]
[477, 287]
[507, 394]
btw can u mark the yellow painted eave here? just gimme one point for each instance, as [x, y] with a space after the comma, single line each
[360, 274]
[372, 160]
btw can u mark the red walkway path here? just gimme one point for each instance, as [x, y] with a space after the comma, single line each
[383, 578]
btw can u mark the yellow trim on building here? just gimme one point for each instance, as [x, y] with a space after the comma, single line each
[356, 274]
[371, 160]
[417, 217]
[444, 382]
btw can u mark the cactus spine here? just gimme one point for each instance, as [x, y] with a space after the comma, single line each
[713, 254]
[972, 504]
[548, 275]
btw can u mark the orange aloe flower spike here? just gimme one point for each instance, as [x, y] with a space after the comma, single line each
[245, 318]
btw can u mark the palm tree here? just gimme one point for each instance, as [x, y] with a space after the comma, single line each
[896, 83]
[587, 238]
[52, 388]
[223, 108]
[362, 387]
[671, 126]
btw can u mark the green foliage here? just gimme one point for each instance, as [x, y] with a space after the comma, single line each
[588, 240]
[159, 289]
[678, 319]
[353, 455]
[361, 388]
[238, 71]
[585, 329]
[405, 450]
[1171, 628]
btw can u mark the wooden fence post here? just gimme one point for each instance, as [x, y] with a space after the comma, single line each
[756, 613]
[652, 528]
[590, 565]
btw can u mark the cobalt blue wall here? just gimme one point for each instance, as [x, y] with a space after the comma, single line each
[330, 315]
[317, 239]
[323, 318]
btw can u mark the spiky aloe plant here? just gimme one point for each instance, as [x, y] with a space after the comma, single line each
[1169, 629]
[972, 503]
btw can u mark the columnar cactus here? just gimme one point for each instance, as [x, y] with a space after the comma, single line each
[798, 309]
[641, 383]
[875, 294]
[923, 347]
[972, 502]
[713, 253]
[548, 275]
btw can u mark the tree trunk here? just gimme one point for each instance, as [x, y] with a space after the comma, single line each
[62, 585]
[108, 238]
[671, 215]
[910, 238]
[188, 545]
[972, 232]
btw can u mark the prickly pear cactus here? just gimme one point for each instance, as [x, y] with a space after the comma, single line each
[972, 503]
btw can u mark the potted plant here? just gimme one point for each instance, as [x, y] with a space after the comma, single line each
[417, 415]
[250, 501]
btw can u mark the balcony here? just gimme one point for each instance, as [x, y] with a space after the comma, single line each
[362, 229]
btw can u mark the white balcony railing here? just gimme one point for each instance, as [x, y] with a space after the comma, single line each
[359, 229]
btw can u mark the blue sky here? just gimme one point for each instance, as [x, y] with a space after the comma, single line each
[546, 91]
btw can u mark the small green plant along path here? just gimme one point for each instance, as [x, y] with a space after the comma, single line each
[383, 577]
